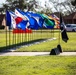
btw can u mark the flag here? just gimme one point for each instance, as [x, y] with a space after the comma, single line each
[22, 25]
[57, 22]
[8, 19]
[18, 22]
[32, 22]
[63, 30]
[18, 13]
[13, 22]
[55, 17]
[22, 31]
[38, 18]
[47, 22]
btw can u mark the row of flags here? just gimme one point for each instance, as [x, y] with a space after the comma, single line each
[22, 20]
[31, 20]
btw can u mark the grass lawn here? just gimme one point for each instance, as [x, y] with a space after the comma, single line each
[38, 65]
[47, 46]
[44, 46]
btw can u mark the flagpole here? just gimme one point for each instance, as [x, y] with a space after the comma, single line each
[22, 38]
[15, 40]
[59, 32]
[9, 37]
[59, 26]
[25, 37]
[59, 46]
[6, 38]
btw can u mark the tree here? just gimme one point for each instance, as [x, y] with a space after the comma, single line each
[67, 6]
[12, 4]
[21, 4]
[74, 4]
[31, 5]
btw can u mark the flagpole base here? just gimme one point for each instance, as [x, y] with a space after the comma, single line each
[56, 51]
[59, 47]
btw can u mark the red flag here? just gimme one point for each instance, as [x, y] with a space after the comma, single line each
[18, 20]
[22, 31]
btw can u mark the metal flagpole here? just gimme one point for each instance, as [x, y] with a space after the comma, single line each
[41, 33]
[25, 37]
[9, 37]
[15, 40]
[59, 46]
[59, 25]
[6, 38]
[21, 37]
[17, 37]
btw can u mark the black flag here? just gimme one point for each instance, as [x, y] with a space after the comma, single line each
[63, 30]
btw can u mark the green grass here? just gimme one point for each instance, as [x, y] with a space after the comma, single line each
[38, 65]
[47, 46]
[44, 46]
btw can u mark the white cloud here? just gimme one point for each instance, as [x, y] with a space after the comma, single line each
[2, 1]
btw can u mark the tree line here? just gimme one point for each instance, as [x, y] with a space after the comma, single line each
[31, 5]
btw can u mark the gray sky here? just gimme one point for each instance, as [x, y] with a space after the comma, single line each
[2, 1]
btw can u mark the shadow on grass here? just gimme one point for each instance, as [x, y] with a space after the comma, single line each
[14, 46]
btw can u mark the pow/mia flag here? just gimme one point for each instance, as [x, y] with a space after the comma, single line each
[63, 30]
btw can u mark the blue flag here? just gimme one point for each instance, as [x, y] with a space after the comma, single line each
[8, 19]
[38, 18]
[32, 22]
[22, 25]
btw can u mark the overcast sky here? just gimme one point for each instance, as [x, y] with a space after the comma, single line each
[2, 1]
